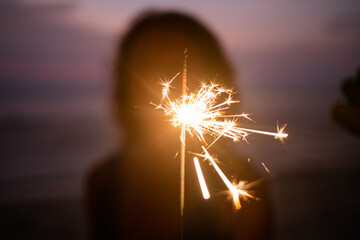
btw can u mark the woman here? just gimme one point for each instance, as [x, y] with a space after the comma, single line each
[134, 194]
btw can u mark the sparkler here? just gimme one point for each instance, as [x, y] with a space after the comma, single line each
[202, 114]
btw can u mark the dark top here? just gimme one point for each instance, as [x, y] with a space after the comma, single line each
[117, 211]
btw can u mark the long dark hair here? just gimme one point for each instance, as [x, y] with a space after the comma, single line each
[173, 33]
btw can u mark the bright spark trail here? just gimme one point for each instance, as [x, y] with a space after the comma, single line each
[201, 114]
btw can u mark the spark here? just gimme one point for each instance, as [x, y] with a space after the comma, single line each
[281, 132]
[203, 113]
[237, 191]
[202, 182]
[265, 167]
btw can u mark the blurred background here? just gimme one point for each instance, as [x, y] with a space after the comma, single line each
[55, 124]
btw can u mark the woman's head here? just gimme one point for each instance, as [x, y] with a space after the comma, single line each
[153, 49]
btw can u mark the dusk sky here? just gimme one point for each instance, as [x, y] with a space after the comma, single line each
[74, 39]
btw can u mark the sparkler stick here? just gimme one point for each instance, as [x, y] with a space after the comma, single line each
[184, 77]
[182, 153]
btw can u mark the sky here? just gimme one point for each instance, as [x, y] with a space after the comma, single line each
[70, 40]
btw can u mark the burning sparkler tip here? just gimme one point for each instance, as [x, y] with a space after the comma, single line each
[200, 114]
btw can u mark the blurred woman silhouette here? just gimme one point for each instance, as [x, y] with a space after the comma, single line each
[134, 193]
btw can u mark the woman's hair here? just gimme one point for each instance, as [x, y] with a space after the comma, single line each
[153, 48]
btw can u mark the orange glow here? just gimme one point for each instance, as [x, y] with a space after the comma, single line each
[201, 114]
